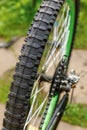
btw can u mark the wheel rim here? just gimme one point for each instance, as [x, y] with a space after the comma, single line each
[56, 50]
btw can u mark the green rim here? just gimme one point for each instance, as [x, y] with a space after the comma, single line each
[71, 28]
[54, 100]
[50, 111]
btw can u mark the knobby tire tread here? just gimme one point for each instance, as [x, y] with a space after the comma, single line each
[17, 105]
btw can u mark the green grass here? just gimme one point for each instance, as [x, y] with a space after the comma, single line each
[16, 17]
[5, 82]
[81, 40]
[76, 115]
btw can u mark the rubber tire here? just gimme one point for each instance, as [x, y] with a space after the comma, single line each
[17, 105]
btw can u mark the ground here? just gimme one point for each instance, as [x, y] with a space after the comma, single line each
[9, 57]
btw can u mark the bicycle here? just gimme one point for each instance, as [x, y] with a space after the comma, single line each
[41, 73]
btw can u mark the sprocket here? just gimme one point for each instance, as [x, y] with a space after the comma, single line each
[59, 75]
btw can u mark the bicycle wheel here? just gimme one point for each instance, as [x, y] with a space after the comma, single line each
[48, 41]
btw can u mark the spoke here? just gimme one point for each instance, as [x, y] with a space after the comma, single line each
[38, 108]
[32, 106]
[37, 111]
[36, 117]
[64, 39]
[55, 31]
[61, 30]
[61, 19]
[39, 90]
[33, 102]
[52, 50]
[58, 40]
[36, 84]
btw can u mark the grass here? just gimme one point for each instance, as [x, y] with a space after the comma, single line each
[76, 115]
[81, 40]
[5, 82]
[16, 17]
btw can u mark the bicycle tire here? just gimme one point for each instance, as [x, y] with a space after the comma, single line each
[17, 106]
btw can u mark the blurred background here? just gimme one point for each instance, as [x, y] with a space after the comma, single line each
[15, 19]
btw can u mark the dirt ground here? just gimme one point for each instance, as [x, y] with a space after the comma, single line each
[79, 64]
[65, 126]
[8, 59]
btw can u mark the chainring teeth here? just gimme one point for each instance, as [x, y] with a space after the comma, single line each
[58, 76]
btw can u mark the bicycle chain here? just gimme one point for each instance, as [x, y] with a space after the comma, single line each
[58, 76]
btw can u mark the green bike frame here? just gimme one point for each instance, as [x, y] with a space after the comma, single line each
[55, 99]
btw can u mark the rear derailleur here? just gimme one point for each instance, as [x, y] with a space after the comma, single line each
[69, 82]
